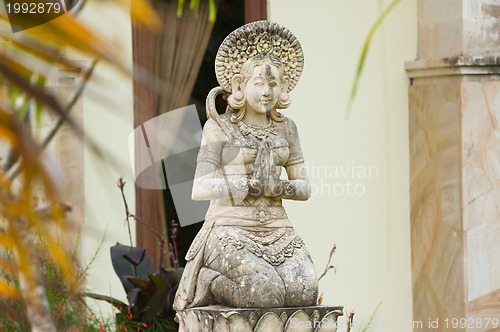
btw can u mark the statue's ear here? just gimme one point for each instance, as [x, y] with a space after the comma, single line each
[237, 83]
[284, 84]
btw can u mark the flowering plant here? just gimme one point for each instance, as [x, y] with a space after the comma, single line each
[65, 297]
[150, 293]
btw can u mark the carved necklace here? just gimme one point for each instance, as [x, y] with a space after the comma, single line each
[259, 132]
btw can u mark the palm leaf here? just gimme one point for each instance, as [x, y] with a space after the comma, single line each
[44, 52]
[27, 56]
[8, 290]
[114, 302]
[364, 52]
[15, 66]
[195, 5]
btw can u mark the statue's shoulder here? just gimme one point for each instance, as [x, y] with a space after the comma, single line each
[289, 126]
[287, 121]
[213, 132]
[210, 124]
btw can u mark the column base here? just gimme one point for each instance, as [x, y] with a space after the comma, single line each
[223, 319]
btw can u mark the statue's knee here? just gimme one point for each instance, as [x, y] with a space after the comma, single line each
[260, 290]
[268, 293]
[251, 291]
[302, 292]
[311, 289]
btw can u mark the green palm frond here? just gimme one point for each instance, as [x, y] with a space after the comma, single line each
[195, 5]
[364, 52]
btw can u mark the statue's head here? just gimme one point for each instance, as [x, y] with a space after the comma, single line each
[258, 64]
[260, 85]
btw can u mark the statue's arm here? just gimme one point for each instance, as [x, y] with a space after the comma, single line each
[206, 186]
[300, 187]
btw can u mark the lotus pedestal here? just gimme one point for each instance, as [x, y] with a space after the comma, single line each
[224, 319]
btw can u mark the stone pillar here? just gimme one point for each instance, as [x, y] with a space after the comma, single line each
[65, 155]
[455, 164]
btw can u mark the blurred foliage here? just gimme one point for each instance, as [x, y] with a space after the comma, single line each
[30, 201]
[150, 294]
[68, 310]
[364, 52]
[26, 60]
[195, 5]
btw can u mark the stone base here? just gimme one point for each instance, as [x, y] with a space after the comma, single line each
[224, 319]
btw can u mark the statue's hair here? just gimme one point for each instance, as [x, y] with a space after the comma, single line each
[237, 100]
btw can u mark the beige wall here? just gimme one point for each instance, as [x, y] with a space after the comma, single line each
[108, 120]
[371, 230]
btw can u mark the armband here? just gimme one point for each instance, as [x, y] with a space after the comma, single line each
[294, 159]
[208, 156]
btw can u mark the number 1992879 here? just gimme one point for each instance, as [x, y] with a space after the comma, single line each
[33, 8]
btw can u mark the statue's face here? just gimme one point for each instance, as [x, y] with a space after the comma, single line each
[263, 88]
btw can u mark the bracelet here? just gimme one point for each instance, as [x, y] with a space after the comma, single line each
[241, 184]
[288, 188]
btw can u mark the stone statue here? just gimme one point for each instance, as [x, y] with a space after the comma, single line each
[247, 254]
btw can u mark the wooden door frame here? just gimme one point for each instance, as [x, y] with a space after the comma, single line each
[255, 10]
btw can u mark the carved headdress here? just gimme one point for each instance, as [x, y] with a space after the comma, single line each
[262, 37]
[246, 42]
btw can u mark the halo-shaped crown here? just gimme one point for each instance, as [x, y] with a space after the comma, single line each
[262, 37]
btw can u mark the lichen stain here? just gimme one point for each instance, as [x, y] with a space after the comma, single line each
[490, 30]
[491, 10]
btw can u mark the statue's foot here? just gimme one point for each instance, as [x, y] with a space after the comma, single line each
[203, 294]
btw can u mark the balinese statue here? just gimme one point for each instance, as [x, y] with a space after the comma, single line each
[247, 254]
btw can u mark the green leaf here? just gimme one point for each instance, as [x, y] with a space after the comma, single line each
[180, 5]
[39, 106]
[136, 256]
[371, 318]
[176, 271]
[195, 5]
[157, 288]
[38, 94]
[135, 301]
[114, 302]
[22, 110]
[13, 93]
[364, 52]
[212, 13]
[125, 269]
[139, 283]
[38, 116]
